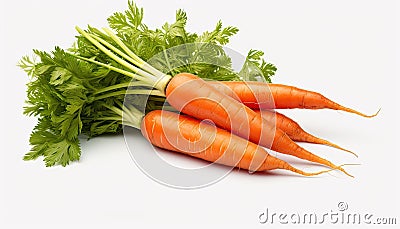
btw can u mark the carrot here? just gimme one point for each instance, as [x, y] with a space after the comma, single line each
[294, 130]
[258, 95]
[181, 133]
[193, 96]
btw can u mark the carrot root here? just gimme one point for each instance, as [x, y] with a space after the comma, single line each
[339, 167]
[343, 108]
[295, 131]
[328, 143]
[257, 95]
[227, 113]
[280, 164]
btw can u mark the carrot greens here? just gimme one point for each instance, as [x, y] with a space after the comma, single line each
[81, 90]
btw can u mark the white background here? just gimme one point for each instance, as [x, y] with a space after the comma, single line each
[346, 49]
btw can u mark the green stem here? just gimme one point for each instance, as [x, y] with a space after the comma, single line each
[124, 92]
[131, 117]
[127, 115]
[126, 122]
[165, 108]
[167, 60]
[119, 52]
[119, 120]
[109, 119]
[129, 74]
[158, 81]
[118, 86]
[136, 114]
[145, 92]
[158, 99]
[113, 56]
[137, 60]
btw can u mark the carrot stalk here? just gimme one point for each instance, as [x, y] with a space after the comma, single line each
[294, 130]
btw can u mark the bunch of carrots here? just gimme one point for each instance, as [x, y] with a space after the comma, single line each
[227, 122]
[241, 130]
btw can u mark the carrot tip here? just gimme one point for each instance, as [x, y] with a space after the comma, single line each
[341, 169]
[344, 171]
[349, 164]
[357, 112]
[328, 143]
[371, 116]
[347, 151]
[301, 172]
[329, 170]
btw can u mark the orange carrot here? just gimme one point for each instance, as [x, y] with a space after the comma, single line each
[294, 130]
[193, 96]
[258, 95]
[180, 133]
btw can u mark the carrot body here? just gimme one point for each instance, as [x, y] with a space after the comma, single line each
[294, 130]
[193, 96]
[258, 95]
[180, 133]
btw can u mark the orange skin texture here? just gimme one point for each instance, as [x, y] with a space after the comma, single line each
[287, 125]
[193, 96]
[294, 130]
[258, 95]
[183, 134]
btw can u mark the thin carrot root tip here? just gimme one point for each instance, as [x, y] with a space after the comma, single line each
[348, 174]
[376, 113]
[338, 147]
[371, 116]
[340, 167]
[362, 114]
[349, 164]
[301, 172]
